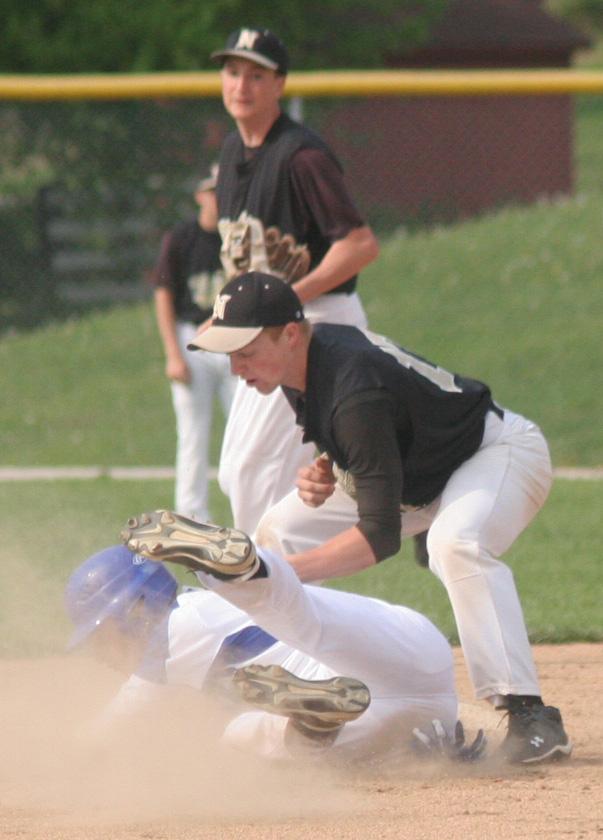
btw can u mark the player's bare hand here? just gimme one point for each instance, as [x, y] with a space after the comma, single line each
[177, 370]
[316, 483]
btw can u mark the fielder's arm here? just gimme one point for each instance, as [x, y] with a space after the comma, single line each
[344, 259]
[345, 554]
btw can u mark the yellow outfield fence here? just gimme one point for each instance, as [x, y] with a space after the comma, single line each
[114, 86]
[93, 168]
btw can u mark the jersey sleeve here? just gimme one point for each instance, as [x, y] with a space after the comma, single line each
[164, 271]
[322, 194]
[365, 433]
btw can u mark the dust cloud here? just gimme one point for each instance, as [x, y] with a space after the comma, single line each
[164, 763]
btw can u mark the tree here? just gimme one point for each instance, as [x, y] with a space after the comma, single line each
[76, 36]
[585, 14]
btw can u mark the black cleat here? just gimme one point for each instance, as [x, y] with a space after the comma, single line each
[535, 734]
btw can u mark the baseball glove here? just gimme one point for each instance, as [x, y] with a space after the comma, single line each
[433, 742]
[286, 258]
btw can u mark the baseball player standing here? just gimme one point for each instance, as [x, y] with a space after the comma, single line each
[186, 278]
[284, 208]
[415, 447]
[280, 672]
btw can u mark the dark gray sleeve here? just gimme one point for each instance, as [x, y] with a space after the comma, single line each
[365, 433]
[321, 190]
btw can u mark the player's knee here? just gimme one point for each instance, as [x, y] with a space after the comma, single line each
[453, 557]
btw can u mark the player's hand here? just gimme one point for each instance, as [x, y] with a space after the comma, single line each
[177, 370]
[432, 741]
[316, 483]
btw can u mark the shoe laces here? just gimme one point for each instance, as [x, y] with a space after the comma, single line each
[523, 716]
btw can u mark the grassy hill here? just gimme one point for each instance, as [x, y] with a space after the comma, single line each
[512, 298]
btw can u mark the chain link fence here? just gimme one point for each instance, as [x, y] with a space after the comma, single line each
[87, 188]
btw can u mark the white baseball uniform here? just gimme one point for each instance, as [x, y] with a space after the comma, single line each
[189, 267]
[398, 653]
[487, 502]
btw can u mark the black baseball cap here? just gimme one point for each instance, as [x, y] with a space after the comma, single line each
[243, 308]
[259, 45]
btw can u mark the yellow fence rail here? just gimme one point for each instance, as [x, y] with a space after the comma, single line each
[116, 86]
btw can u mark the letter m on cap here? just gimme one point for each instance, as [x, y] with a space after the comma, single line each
[247, 38]
[220, 306]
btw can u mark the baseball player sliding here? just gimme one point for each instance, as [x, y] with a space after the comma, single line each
[276, 652]
[408, 446]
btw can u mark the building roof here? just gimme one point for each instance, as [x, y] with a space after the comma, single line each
[500, 31]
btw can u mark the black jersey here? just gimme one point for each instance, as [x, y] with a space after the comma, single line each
[399, 424]
[189, 265]
[274, 218]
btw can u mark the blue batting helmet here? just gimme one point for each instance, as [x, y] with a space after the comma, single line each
[110, 584]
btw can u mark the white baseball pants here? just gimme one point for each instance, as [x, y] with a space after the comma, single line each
[193, 406]
[262, 448]
[484, 507]
[403, 659]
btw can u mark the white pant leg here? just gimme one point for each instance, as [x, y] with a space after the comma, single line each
[193, 407]
[337, 309]
[262, 449]
[383, 729]
[291, 526]
[398, 653]
[395, 650]
[226, 384]
[486, 504]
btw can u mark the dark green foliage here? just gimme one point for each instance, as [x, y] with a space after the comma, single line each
[76, 36]
[584, 14]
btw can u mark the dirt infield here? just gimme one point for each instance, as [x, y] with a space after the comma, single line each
[170, 781]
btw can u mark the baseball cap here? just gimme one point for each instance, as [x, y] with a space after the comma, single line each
[259, 45]
[243, 308]
[209, 181]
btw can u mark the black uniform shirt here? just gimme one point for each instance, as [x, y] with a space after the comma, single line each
[189, 265]
[292, 186]
[399, 424]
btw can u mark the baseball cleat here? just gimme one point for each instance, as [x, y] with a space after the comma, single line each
[535, 734]
[225, 553]
[316, 706]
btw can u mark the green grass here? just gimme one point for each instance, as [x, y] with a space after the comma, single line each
[513, 298]
[49, 528]
[88, 391]
[556, 563]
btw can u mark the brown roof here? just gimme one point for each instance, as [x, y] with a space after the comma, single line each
[497, 27]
